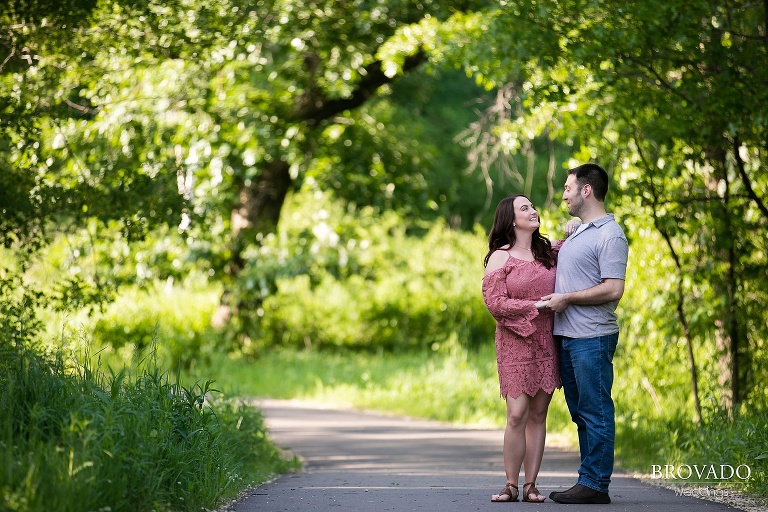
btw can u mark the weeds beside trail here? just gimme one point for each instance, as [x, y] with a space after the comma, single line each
[76, 439]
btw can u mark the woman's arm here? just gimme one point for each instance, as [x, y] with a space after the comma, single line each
[515, 314]
[572, 226]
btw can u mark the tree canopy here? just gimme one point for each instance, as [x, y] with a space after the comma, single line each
[671, 96]
[120, 119]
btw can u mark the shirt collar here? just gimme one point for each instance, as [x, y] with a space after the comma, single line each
[602, 220]
[596, 223]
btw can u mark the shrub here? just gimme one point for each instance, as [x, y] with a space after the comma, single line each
[345, 279]
[180, 316]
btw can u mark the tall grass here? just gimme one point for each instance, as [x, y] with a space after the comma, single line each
[677, 441]
[73, 438]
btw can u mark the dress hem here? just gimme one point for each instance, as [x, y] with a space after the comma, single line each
[531, 395]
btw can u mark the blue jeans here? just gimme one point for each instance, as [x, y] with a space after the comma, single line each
[586, 368]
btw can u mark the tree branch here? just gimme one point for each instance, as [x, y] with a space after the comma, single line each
[319, 109]
[696, 199]
[659, 79]
[745, 178]
[11, 54]
[680, 303]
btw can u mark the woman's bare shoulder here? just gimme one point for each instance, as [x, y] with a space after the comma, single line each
[497, 260]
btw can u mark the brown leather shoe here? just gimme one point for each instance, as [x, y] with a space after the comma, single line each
[579, 494]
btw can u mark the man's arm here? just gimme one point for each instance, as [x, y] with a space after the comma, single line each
[607, 291]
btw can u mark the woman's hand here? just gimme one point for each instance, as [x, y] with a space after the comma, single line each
[571, 227]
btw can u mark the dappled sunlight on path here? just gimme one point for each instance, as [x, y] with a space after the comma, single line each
[363, 462]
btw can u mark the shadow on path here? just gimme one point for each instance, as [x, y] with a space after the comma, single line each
[362, 462]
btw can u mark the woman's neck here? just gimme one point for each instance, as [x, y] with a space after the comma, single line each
[524, 240]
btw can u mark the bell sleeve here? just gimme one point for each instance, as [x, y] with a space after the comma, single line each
[514, 314]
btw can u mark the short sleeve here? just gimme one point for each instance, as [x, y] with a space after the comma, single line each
[612, 258]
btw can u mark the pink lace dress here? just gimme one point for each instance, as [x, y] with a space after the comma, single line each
[526, 356]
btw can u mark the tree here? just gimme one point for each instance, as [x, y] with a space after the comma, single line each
[671, 96]
[196, 115]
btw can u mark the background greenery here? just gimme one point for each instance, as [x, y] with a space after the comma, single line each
[301, 188]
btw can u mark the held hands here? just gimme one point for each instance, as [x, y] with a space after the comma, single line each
[556, 302]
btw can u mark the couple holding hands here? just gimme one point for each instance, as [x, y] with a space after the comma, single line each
[554, 306]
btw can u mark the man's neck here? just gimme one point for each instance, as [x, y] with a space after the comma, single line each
[597, 211]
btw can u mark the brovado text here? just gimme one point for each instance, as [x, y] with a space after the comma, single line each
[700, 472]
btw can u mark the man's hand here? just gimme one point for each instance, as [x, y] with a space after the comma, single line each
[557, 302]
[607, 291]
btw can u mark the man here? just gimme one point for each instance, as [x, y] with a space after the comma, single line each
[591, 269]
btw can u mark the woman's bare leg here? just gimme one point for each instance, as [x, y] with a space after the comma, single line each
[535, 437]
[514, 439]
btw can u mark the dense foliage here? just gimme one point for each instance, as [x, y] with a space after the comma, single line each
[312, 173]
[671, 96]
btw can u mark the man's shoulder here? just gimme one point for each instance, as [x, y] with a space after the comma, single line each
[610, 228]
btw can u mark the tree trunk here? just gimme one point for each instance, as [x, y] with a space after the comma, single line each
[680, 306]
[260, 201]
[731, 344]
[734, 333]
[680, 310]
[256, 215]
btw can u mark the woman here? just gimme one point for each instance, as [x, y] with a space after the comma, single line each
[519, 270]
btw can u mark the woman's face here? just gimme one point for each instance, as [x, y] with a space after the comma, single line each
[526, 216]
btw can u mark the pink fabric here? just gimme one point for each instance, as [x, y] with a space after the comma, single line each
[525, 350]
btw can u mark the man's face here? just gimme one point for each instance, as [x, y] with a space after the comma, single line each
[572, 196]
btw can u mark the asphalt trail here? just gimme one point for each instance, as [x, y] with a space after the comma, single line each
[365, 462]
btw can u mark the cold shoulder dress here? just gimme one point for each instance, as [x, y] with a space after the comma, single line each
[526, 356]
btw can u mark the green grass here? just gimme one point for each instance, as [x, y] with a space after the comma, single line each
[458, 387]
[73, 439]
[676, 441]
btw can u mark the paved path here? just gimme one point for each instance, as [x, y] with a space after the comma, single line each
[366, 462]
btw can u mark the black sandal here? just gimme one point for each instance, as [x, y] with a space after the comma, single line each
[507, 491]
[532, 490]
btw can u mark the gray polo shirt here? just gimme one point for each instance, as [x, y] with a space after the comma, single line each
[597, 251]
